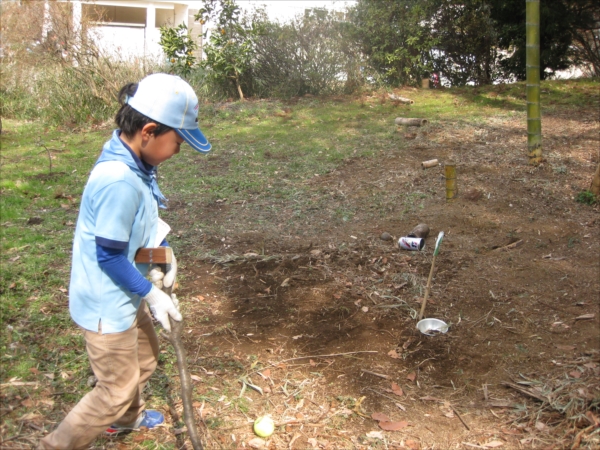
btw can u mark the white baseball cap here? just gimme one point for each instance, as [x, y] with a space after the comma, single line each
[171, 101]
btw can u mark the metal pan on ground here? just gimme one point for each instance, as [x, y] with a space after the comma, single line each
[432, 327]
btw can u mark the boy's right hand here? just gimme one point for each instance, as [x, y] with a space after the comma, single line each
[162, 306]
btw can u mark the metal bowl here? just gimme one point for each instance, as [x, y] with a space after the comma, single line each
[431, 327]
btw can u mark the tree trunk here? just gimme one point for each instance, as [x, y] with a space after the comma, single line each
[595, 187]
[239, 87]
[534, 121]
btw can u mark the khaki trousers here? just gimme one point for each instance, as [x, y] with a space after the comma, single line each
[122, 363]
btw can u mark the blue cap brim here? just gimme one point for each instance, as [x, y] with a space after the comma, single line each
[195, 139]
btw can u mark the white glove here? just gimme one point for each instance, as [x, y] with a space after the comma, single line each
[156, 277]
[169, 279]
[163, 306]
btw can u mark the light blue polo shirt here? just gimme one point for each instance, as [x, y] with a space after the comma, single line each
[118, 208]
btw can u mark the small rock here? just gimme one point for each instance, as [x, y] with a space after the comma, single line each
[420, 231]
[473, 194]
[91, 381]
[385, 236]
[257, 443]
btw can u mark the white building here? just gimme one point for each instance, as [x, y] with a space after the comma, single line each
[128, 28]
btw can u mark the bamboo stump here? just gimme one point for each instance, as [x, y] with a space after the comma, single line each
[595, 186]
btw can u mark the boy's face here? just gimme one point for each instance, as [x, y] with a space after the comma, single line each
[157, 149]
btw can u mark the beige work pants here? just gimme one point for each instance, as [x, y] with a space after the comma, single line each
[122, 363]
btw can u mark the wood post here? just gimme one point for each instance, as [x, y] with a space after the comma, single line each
[450, 170]
[595, 186]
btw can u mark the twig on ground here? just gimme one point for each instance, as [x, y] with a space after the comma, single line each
[380, 375]
[579, 436]
[539, 397]
[460, 418]
[509, 246]
[310, 356]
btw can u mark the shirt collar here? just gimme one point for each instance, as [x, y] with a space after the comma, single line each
[142, 165]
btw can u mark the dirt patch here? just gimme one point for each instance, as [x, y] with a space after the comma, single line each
[320, 312]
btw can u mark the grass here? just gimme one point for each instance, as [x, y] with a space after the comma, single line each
[266, 158]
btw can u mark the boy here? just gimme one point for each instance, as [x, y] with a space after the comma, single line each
[118, 215]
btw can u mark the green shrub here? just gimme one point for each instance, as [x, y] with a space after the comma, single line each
[586, 197]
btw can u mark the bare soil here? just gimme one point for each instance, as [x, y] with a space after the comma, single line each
[321, 313]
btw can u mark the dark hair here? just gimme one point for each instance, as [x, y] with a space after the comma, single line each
[129, 120]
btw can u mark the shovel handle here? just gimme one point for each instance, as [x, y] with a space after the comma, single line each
[427, 288]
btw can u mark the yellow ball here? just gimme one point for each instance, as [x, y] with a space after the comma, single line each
[264, 426]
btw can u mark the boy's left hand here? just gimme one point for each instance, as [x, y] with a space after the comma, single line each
[159, 279]
[156, 277]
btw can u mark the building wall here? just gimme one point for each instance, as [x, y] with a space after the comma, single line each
[129, 30]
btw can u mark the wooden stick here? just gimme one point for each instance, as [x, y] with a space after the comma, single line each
[461, 419]
[185, 380]
[427, 288]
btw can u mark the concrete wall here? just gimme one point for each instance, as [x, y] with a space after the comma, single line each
[129, 30]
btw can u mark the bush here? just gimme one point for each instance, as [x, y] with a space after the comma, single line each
[586, 197]
[63, 78]
[312, 54]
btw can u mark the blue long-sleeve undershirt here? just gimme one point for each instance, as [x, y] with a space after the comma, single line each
[115, 264]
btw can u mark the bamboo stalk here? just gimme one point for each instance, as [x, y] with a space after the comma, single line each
[534, 120]
[450, 170]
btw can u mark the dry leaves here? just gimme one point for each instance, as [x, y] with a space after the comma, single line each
[393, 354]
[380, 417]
[385, 423]
[565, 347]
[393, 426]
[256, 443]
[397, 390]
